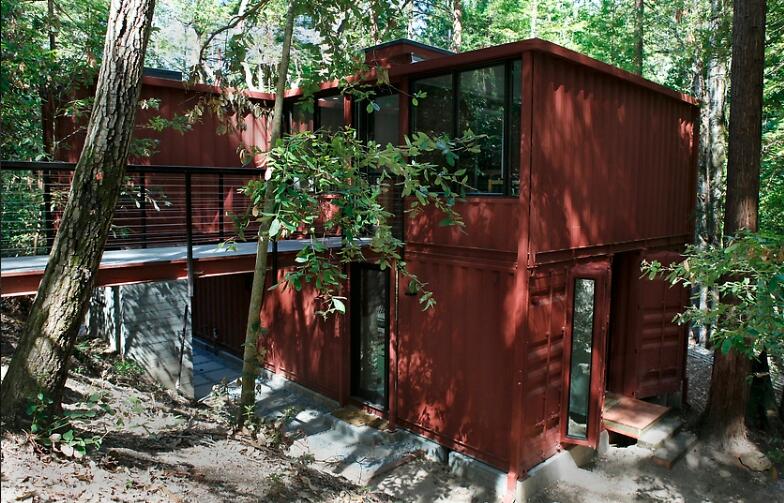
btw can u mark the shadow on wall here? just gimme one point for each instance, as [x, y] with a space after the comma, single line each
[150, 323]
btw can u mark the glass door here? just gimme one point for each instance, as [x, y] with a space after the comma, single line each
[370, 334]
[584, 353]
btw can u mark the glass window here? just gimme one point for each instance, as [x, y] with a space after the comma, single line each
[435, 114]
[369, 337]
[515, 128]
[330, 113]
[383, 124]
[300, 117]
[580, 366]
[481, 109]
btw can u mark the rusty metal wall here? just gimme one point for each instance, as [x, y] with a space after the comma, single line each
[647, 353]
[455, 376]
[220, 310]
[302, 345]
[201, 146]
[612, 162]
[544, 364]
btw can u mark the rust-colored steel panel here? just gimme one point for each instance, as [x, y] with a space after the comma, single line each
[647, 350]
[302, 345]
[544, 364]
[490, 224]
[455, 361]
[220, 310]
[200, 146]
[612, 161]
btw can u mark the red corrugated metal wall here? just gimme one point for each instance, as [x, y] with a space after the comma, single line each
[302, 345]
[647, 350]
[220, 309]
[544, 364]
[612, 162]
[455, 376]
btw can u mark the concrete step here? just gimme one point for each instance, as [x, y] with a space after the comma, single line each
[673, 448]
[664, 428]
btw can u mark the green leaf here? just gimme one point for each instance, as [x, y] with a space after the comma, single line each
[338, 305]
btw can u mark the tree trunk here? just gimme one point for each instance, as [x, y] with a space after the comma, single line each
[639, 18]
[40, 363]
[250, 357]
[713, 145]
[728, 397]
[534, 18]
[457, 31]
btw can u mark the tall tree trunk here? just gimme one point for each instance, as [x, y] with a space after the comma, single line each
[457, 30]
[40, 362]
[250, 357]
[713, 144]
[639, 32]
[725, 413]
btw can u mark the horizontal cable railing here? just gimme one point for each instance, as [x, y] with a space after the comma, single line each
[158, 206]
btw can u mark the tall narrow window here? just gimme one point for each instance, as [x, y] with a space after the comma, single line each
[580, 366]
[515, 127]
[300, 117]
[481, 109]
[370, 334]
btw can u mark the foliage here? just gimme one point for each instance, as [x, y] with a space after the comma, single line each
[749, 275]
[309, 168]
[56, 432]
[125, 367]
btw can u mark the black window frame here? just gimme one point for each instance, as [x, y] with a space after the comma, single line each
[506, 155]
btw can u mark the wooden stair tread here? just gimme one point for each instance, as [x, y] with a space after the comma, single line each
[629, 416]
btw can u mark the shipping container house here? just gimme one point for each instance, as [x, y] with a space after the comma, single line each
[585, 171]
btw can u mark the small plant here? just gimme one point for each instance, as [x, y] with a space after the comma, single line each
[127, 368]
[55, 432]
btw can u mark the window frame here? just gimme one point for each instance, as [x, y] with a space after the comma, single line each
[506, 155]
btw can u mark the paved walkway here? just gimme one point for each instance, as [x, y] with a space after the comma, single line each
[212, 366]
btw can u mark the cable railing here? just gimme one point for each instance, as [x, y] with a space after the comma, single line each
[158, 206]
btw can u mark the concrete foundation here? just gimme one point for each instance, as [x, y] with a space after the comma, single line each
[150, 323]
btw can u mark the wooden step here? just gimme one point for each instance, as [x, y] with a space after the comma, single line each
[629, 416]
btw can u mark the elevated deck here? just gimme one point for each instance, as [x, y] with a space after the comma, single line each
[21, 275]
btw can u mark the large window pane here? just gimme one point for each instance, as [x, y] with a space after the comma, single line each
[435, 114]
[330, 110]
[369, 338]
[580, 367]
[481, 109]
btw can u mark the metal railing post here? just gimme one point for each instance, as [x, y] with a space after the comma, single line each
[189, 230]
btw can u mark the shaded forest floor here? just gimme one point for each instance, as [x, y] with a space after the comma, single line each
[159, 447]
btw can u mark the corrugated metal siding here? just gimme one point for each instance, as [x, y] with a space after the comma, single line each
[201, 146]
[220, 309]
[303, 345]
[544, 365]
[612, 162]
[455, 376]
[646, 355]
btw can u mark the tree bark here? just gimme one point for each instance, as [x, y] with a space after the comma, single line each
[457, 31]
[639, 18]
[713, 144]
[250, 357]
[40, 362]
[728, 397]
[534, 18]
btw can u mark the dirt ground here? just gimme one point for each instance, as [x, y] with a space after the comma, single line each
[158, 447]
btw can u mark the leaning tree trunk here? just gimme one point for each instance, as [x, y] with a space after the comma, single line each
[250, 356]
[724, 417]
[40, 362]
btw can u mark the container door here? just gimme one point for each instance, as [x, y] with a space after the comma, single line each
[370, 334]
[584, 352]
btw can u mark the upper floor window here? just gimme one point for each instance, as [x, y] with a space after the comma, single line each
[487, 101]
[329, 113]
